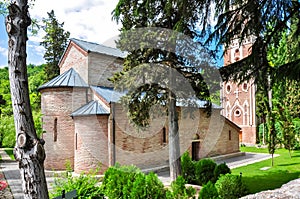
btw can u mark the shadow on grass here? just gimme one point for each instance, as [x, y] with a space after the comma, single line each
[295, 156]
[269, 181]
[284, 165]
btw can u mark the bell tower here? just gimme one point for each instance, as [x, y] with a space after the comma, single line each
[238, 100]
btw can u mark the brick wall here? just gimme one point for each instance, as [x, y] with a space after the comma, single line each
[238, 101]
[149, 151]
[57, 105]
[102, 67]
[91, 142]
[77, 59]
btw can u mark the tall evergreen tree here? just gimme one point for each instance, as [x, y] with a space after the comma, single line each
[265, 20]
[164, 56]
[29, 150]
[55, 42]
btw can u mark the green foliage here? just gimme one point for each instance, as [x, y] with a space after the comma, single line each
[220, 169]
[208, 191]
[147, 186]
[296, 125]
[284, 170]
[55, 42]
[164, 53]
[118, 181]
[7, 131]
[130, 182]
[3, 8]
[204, 171]
[36, 78]
[179, 190]
[187, 168]
[230, 187]
[86, 185]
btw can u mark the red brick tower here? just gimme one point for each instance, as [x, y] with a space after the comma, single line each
[238, 101]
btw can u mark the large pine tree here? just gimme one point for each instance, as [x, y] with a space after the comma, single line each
[55, 42]
[165, 63]
[265, 20]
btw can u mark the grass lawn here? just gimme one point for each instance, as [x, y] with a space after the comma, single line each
[284, 170]
[10, 152]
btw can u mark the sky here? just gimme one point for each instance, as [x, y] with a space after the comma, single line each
[89, 20]
[84, 19]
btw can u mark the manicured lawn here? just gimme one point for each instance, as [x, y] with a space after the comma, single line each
[284, 170]
[10, 152]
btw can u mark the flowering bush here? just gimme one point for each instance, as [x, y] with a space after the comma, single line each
[3, 185]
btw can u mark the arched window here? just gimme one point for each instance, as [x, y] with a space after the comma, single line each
[55, 130]
[228, 88]
[245, 87]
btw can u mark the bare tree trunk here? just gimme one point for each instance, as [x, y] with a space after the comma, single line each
[29, 150]
[174, 145]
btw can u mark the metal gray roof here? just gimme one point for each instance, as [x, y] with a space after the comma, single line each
[195, 102]
[91, 108]
[109, 94]
[69, 78]
[98, 48]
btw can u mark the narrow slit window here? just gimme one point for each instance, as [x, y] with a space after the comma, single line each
[229, 135]
[75, 141]
[55, 130]
[164, 136]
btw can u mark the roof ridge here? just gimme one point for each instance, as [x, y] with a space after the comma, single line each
[63, 80]
[95, 43]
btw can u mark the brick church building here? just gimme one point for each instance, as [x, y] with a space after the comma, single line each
[84, 122]
[238, 100]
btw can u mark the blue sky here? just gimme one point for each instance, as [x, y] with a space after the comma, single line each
[84, 19]
[3, 43]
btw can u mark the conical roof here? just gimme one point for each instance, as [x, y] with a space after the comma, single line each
[91, 108]
[69, 78]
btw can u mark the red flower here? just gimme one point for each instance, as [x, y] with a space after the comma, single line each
[3, 185]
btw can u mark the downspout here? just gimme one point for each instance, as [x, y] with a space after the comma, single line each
[113, 134]
[87, 95]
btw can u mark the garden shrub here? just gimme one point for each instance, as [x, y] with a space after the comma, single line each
[118, 181]
[188, 168]
[147, 186]
[219, 170]
[86, 185]
[179, 191]
[204, 171]
[208, 191]
[230, 186]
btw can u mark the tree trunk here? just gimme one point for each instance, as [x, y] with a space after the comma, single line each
[174, 146]
[29, 151]
[271, 118]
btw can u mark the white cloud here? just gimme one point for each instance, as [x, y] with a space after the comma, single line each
[84, 19]
[3, 51]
